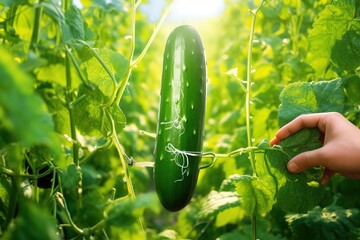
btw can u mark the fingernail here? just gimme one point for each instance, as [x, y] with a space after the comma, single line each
[292, 167]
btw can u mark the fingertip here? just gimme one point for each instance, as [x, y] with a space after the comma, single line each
[293, 167]
[274, 141]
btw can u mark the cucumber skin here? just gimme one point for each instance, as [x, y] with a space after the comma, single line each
[182, 98]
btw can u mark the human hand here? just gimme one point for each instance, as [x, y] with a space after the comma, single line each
[340, 152]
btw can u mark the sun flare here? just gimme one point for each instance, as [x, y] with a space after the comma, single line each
[196, 9]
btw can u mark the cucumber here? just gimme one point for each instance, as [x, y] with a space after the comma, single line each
[181, 116]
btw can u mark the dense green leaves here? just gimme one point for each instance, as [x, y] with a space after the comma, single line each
[127, 212]
[32, 223]
[328, 223]
[105, 70]
[334, 37]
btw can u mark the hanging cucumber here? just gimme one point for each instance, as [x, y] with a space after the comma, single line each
[181, 118]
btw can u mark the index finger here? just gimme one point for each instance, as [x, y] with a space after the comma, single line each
[303, 121]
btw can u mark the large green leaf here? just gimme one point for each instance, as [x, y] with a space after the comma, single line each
[300, 192]
[303, 98]
[107, 70]
[217, 202]
[22, 112]
[333, 22]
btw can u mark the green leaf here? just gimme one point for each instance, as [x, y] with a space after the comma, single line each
[346, 52]
[256, 195]
[348, 6]
[352, 89]
[234, 235]
[59, 113]
[126, 212]
[70, 177]
[104, 72]
[74, 20]
[303, 98]
[116, 63]
[13, 2]
[52, 72]
[5, 190]
[92, 207]
[331, 25]
[328, 223]
[118, 117]
[297, 192]
[228, 183]
[24, 114]
[53, 11]
[88, 112]
[91, 118]
[33, 222]
[217, 202]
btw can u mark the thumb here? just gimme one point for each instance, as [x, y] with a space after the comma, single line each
[304, 161]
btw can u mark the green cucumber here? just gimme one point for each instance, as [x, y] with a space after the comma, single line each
[181, 118]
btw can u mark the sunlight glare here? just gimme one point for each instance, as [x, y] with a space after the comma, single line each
[196, 9]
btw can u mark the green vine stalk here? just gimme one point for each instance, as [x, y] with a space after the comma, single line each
[254, 14]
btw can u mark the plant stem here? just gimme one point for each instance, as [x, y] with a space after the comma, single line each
[62, 202]
[124, 165]
[13, 199]
[98, 226]
[69, 100]
[248, 103]
[253, 227]
[36, 29]
[67, 4]
[77, 67]
[133, 63]
[248, 90]
[155, 32]
[75, 145]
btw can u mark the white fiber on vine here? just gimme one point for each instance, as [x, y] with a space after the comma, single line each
[181, 158]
